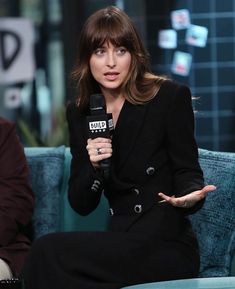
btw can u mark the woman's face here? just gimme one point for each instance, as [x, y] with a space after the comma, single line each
[110, 65]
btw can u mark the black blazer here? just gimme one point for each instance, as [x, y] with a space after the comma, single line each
[154, 150]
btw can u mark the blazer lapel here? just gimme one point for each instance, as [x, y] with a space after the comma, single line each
[130, 121]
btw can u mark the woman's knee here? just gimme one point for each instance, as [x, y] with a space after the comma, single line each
[44, 243]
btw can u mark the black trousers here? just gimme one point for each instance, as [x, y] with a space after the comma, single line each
[108, 260]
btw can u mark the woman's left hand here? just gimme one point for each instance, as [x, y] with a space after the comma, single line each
[188, 200]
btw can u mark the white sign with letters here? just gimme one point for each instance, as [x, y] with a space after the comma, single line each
[17, 63]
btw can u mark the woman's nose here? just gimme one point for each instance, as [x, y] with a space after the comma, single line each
[111, 60]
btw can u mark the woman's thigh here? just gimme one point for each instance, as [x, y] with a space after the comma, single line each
[103, 260]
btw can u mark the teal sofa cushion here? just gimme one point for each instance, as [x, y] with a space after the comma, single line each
[46, 167]
[214, 224]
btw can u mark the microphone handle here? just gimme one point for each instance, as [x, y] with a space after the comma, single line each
[105, 166]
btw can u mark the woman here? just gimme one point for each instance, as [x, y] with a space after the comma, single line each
[154, 178]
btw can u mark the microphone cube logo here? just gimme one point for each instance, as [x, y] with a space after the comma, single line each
[98, 126]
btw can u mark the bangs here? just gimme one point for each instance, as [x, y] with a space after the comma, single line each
[109, 30]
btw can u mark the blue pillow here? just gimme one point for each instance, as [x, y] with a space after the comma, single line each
[214, 224]
[46, 166]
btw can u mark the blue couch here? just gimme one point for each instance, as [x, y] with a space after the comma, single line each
[214, 224]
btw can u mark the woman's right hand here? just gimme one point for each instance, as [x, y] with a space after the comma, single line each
[99, 149]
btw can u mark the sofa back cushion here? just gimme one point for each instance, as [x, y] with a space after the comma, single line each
[46, 175]
[214, 224]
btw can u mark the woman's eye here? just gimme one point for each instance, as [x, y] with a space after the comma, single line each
[121, 50]
[99, 51]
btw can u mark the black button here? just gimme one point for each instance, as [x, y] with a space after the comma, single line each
[150, 171]
[138, 209]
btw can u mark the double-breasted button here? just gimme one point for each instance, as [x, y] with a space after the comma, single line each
[97, 182]
[94, 189]
[137, 191]
[138, 209]
[150, 171]
[95, 186]
[111, 211]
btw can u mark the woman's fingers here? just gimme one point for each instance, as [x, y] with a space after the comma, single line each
[182, 202]
[99, 149]
[99, 146]
[200, 194]
[208, 189]
[188, 200]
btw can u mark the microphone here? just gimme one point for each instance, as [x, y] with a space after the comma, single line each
[100, 124]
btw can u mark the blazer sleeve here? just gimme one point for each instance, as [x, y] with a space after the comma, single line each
[181, 144]
[16, 196]
[85, 183]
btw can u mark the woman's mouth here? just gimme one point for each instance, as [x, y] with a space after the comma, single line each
[111, 75]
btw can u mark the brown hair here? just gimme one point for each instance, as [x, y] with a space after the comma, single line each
[113, 25]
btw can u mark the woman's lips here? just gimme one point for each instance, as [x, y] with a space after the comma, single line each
[111, 75]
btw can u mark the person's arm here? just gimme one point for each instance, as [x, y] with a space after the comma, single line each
[183, 153]
[85, 182]
[16, 196]
[181, 144]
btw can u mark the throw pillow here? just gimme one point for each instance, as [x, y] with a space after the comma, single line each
[46, 166]
[214, 224]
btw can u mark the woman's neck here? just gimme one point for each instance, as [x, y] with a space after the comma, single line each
[114, 105]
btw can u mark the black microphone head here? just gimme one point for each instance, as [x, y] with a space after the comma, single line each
[97, 103]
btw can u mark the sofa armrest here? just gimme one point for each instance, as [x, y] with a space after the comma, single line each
[214, 224]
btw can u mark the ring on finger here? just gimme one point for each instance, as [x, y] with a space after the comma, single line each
[98, 150]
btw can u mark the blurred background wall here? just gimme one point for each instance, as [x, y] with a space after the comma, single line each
[190, 41]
